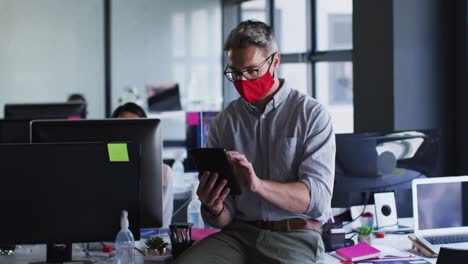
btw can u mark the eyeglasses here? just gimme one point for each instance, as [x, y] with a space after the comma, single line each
[250, 74]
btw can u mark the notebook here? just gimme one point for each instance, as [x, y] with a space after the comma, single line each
[400, 261]
[440, 212]
[358, 252]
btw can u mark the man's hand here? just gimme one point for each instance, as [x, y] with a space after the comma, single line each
[291, 196]
[211, 196]
[244, 171]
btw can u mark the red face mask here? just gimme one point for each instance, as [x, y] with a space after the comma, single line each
[253, 90]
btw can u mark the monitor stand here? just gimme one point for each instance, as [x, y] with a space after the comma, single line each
[59, 253]
[7, 249]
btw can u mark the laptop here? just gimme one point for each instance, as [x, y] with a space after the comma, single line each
[440, 209]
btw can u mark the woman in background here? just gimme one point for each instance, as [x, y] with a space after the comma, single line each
[132, 110]
[129, 110]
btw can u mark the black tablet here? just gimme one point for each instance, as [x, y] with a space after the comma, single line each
[215, 160]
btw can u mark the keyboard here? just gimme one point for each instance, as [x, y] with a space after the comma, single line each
[447, 239]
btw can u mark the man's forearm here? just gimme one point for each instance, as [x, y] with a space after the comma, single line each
[219, 221]
[293, 197]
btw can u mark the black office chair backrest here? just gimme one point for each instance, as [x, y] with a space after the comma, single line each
[451, 255]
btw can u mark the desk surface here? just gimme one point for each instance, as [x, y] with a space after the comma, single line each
[400, 241]
[34, 253]
[396, 241]
[37, 253]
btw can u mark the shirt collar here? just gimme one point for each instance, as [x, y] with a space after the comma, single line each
[281, 95]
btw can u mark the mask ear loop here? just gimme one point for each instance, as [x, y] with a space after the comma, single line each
[272, 59]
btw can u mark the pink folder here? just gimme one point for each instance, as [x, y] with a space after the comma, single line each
[201, 233]
[358, 252]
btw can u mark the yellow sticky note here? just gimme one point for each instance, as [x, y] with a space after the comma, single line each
[118, 152]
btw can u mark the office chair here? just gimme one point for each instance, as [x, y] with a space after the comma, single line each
[451, 255]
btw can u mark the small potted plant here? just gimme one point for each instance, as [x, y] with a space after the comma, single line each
[156, 246]
[367, 218]
[365, 234]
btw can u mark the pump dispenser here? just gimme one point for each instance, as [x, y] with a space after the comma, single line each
[193, 210]
[124, 242]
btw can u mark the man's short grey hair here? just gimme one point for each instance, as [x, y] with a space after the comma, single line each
[249, 33]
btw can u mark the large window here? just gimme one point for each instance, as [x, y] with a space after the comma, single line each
[315, 41]
[254, 10]
[157, 42]
[109, 50]
[334, 72]
[50, 49]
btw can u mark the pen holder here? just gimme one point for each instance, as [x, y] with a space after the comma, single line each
[179, 248]
[181, 238]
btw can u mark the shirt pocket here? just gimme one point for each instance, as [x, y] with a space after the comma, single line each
[283, 159]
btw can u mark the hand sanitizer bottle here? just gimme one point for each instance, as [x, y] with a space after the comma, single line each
[178, 173]
[193, 210]
[124, 242]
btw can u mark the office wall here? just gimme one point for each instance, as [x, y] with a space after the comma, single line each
[424, 66]
[404, 68]
[49, 49]
[423, 63]
[168, 41]
[403, 61]
[461, 48]
[373, 65]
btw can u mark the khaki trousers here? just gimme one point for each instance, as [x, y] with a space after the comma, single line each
[244, 243]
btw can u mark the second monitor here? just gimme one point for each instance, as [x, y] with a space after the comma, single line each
[146, 132]
[70, 110]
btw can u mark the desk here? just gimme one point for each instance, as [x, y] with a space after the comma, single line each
[397, 241]
[37, 253]
[34, 253]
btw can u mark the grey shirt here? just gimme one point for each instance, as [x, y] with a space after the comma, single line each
[291, 141]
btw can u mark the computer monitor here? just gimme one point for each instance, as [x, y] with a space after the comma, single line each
[67, 193]
[70, 110]
[146, 132]
[14, 131]
[383, 161]
[163, 97]
[198, 125]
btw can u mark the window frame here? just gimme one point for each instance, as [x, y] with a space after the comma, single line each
[312, 56]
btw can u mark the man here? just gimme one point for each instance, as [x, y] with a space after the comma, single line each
[282, 148]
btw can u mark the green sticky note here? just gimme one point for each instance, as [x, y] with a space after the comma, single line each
[118, 152]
